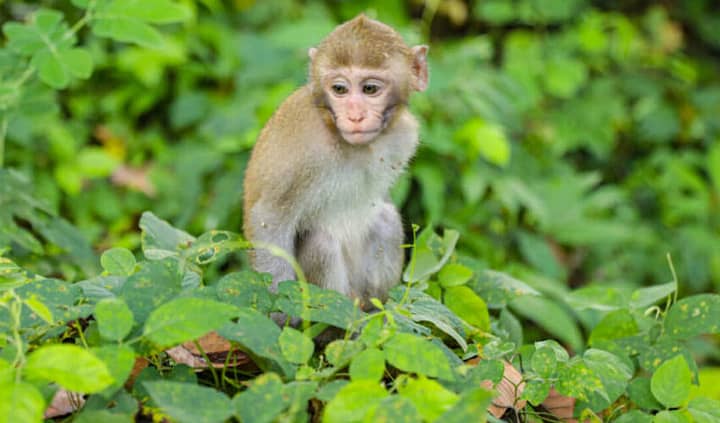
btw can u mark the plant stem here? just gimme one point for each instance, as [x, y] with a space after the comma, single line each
[3, 132]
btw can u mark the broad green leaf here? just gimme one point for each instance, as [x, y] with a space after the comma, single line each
[704, 410]
[616, 324]
[424, 308]
[639, 392]
[59, 297]
[577, 380]
[153, 11]
[119, 360]
[188, 403]
[634, 416]
[184, 319]
[536, 391]
[160, 240]
[39, 308]
[544, 362]
[645, 297]
[396, 409]
[153, 284]
[472, 406]
[263, 401]
[213, 245]
[692, 316]
[329, 390]
[259, 335]
[670, 384]
[296, 347]
[127, 29]
[468, 306]
[613, 373]
[551, 316]
[21, 402]
[485, 139]
[246, 289]
[368, 365]
[118, 261]
[341, 351]
[355, 402]
[70, 366]
[297, 395]
[425, 260]
[325, 305]
[564, 76]
[674, 416]
[114, 319]
[44, 30]
[414, 354]
[429, 397]
[454, 274]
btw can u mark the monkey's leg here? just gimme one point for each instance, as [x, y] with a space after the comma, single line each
[269, 229]
[321, 257]
[381, 261]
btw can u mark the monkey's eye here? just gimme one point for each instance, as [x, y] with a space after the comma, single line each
[370, 89]
[339, 89]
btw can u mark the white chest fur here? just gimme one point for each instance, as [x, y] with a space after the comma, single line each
[352, 189]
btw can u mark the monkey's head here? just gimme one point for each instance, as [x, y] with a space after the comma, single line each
[362, 73]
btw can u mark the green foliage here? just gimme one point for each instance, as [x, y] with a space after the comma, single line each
[567, 148]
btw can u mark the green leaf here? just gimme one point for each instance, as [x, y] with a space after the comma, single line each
[564, 76]
[551, 316]
[118, 261]
[119, 360]
[189, 403]
[424, 261]
[354, 402]
[423, 308]
[704, 410]
[396, 409]
[324, 305]
[468, 306]
[246, 289]
[613, 373]
[114, 319]
[645, 297]
[616, 324]
[634, 416]
[429, 397]
[640, 393]
[544, 362]
[472, 406]
[154, 11]
[674, 416]
[670, 384]
[258, 334]
[72, 367]
[262, 402]
[454, 274]
[184, 319]
[485, 139]
[40, 309]
[21, 402]
[341, 351]
[296, 347]
[536, 391]
[127, 20]
[414, 354]
[577, 380]
[152, 285]
[368, 365]
[160, 240]
[45, 28]
[692, 316]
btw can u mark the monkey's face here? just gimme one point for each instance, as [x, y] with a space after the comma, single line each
[362, 102]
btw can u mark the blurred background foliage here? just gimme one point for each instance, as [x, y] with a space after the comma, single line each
[572, 143]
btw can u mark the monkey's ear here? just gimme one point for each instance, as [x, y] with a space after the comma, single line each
[311, 53]
[419, 67]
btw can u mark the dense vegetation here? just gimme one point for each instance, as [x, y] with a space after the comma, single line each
[567, 187]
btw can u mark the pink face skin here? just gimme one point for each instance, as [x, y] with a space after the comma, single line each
[358, 97]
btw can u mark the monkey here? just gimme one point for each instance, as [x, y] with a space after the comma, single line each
[318, 179]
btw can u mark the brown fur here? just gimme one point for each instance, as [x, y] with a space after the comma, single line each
[322, 198]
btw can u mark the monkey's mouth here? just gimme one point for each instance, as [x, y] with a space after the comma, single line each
[360, 137]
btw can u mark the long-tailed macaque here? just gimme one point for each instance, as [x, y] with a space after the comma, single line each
[318, 179]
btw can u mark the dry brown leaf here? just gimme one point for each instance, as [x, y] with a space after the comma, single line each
[509, 390]
[63, 403]
[215, 347]
[134, 178]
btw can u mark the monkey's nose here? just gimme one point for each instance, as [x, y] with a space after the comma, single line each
[356, 118]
